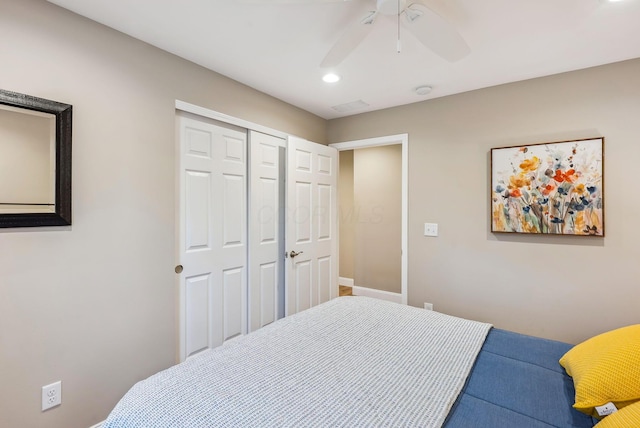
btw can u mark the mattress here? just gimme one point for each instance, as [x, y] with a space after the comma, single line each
[350, 362]
[518, 382]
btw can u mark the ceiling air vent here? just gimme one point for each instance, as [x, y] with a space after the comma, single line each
[353, 105]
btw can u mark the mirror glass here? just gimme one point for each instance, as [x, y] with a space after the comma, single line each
[28, 161]
[35, 161]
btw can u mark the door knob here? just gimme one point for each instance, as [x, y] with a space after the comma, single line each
[179, 269]
[292, 254]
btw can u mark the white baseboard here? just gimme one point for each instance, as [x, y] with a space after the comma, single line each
[348, 282]
[98, 425]
[378, 294]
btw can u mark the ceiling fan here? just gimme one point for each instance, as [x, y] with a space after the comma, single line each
[432, 30]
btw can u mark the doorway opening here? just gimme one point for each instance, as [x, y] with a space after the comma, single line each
[374, 217]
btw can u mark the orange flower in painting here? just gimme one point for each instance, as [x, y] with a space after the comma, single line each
[515, 193]
[568, 176]
[530, 165]
[548, 189]
[519, 181]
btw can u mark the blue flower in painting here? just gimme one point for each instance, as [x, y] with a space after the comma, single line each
[526, 209]
[575, 206]
[562, 191]
[543, 201]
[499, 189]
[557, 220]
[585, 201]
[592, 189]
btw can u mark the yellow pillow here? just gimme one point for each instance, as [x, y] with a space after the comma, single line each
[626, 418]
[605, 368]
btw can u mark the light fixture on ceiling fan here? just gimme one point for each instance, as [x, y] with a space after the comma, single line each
[433, 31]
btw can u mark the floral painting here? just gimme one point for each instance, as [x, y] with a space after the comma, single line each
[553, 188]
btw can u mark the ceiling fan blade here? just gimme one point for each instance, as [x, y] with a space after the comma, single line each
[435, 32]
[349, 40]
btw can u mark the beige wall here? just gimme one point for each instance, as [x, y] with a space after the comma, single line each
[347, 218]
[377, 190]
[565, 288]
[94, 304]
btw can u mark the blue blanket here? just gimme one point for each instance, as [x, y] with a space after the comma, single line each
[517, 382]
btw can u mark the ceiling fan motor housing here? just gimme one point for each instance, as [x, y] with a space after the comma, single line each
[391, 7]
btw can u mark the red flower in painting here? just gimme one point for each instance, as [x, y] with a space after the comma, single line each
[547, 189]
[568, 176]
[515, 193]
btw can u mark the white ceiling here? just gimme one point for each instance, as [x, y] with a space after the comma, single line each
[277, 48]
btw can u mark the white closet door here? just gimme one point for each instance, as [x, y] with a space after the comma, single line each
[265, 231]
[312, 275]
[212, 233]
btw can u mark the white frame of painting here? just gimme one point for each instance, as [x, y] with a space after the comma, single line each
[549, 188]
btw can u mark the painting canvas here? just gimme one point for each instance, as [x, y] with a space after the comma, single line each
[551, 188]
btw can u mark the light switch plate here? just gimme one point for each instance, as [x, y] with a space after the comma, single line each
[431, 229]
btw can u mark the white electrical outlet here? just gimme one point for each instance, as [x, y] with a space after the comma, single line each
[52, 395]
[428, 306]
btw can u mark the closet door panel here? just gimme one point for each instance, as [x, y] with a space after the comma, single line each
[312, 276]
[266, 233]
[212, 218]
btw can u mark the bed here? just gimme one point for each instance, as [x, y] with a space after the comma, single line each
[362, 362]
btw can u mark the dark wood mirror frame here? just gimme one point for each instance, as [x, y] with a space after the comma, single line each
[63, 120]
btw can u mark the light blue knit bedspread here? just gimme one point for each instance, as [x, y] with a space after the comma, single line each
[350, 362]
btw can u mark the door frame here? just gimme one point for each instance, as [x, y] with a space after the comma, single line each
[221, 117]
[388, 140]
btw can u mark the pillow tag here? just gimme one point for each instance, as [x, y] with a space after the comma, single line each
[606, 409]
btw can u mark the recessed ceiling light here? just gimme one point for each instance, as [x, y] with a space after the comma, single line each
[331, 78]
[423, 90]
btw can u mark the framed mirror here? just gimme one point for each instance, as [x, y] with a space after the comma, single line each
[35, 161]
